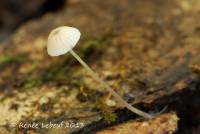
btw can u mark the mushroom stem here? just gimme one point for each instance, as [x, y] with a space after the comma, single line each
[119, 98]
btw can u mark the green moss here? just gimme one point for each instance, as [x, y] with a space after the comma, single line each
[110, 117]
[76, 81]
[31, 82]
[107, 114]
[7, 59]
[87, 94]
[34, 66]
[58, 71]
[55, 71]
[28, 82]
[90, 46]
[61, 70]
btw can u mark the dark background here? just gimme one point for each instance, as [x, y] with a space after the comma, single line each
[15, 12]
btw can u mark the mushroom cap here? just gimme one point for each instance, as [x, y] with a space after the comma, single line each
[62, 39]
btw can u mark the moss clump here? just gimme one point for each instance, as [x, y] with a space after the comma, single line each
[109, 117]
[90, 46]
[61, 70]
[88, 94]
[7, 59]
[34, 66]
[56, 71]
[107, 114]
[31, 82]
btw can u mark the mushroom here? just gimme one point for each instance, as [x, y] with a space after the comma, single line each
[62, 40]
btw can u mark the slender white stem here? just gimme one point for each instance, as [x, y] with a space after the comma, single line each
[120, 99]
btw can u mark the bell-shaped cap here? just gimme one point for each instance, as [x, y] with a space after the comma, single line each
[62, 39]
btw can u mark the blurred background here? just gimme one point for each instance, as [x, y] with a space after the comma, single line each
[147, 50]
[14, 13]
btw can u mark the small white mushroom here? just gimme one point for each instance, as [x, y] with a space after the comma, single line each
[62, 40]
